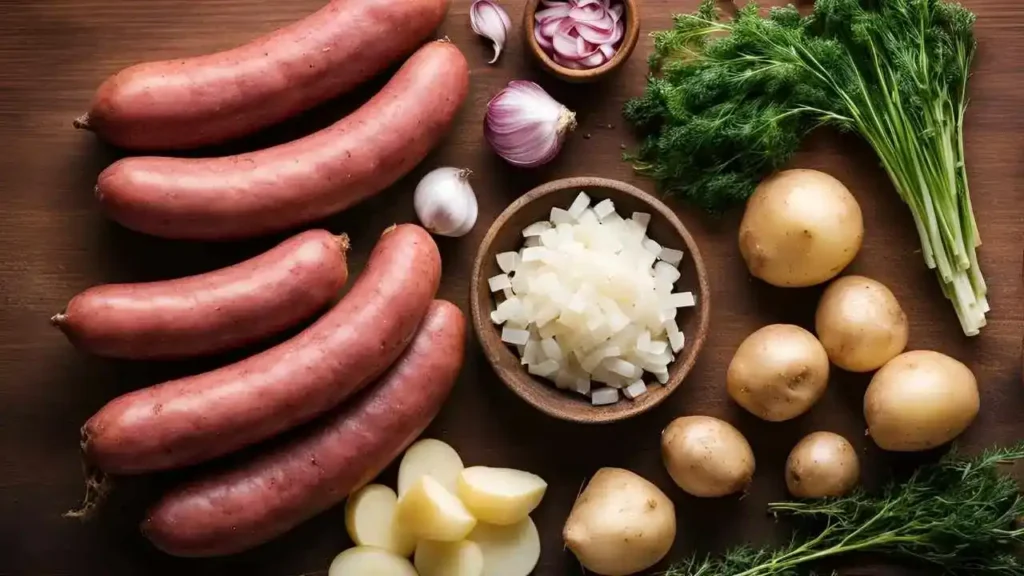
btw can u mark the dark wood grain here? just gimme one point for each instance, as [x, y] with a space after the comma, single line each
[54, 243]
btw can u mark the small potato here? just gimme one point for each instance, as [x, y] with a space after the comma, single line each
[370, 520]
[860, 324]
[823, 464]
[500, 495]
[449, 558]
[778, 372]
[370, 561]
[512, 550]
[430, 512]
[707, 457]
[430, 457]
[801, 228]
[621, 524]
[920, 400]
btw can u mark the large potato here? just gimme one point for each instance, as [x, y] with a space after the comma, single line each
[500, 496]
[920, 400]
[707, 457]
[621, 524]
[800, 228]
[823, 464]
[860, 324]
[370, 520]
[430, 512]
[778, 372]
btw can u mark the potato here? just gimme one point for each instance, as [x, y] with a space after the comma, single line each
[707, 457]
[823, 464]
[920, 400]
[370, 520]
[430, 512]
[500, 495]
[860, 324]
[512, 550]
[430, 457]
[800, 228]
[449, 558]
[370, 561]
[621, 524]
[778, 372]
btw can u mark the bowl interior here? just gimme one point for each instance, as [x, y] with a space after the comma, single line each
[629, 42]
[505, 235]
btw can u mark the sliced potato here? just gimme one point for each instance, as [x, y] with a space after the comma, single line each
[370, 561]
[508, 550]
[449, 558]
[370, 520]
[430, 512]
[500, 495]
[430, 457]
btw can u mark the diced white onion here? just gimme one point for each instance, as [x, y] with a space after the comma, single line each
[604, 209]
[513, 336]
[559, 216]
[551, 349]
[508, 292]
[652, 247]
[673, 257]
[508, 261]
[677, 341]
[536, 229]
[581, 203]
[583, 385]
[635, 390]
[499, 282]
[534, 254]
[544, 369]
[604, 396]
[682, 300]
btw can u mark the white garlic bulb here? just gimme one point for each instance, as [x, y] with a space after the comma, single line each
[445, 203]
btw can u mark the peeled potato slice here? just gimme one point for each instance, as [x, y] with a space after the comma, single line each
[508, 550]
[500, 495]
[370, 561]
[370, 520]
[449, 559]
[429, 457]
[430, 512]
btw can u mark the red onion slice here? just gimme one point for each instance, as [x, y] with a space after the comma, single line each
[608, 50]
[616, 12]
[549, 28]
[594, 60]
[542, 40]
[583, 3]
[550, 3]
[555, 12]
[620, 31]
[584, 48]
[595, 36]
[605, 24]
[566, 47]
[587, 13]
[567, 63]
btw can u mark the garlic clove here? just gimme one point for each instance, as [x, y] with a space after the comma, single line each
[490, 20]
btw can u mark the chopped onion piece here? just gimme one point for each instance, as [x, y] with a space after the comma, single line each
[581, 203]
[667, 272]
[652, 247]
[604, 209]
[564, 380]
[536, 229]
[657, 347]
[530, 352]
[677, 341]
[551, 349]
[583, 385]
[508, 261]
[544, 369]
[534, 254]
[559, 216]
[643, 342]
[642, 219]
[682, 300]
[513, 336]
[508, 292]
[622, 368]
[673, 257]
[662, 376]
[604, 396]
[497, 318]
[635, 390]
[499, 282]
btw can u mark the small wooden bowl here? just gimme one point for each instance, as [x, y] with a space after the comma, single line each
[505, 235]
[629, 41]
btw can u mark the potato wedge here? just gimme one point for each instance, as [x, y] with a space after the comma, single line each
[500, 496]
[449, 558]
[370, 520]
[370, 561]
[430, 457]
[430, 512]
[508, 550]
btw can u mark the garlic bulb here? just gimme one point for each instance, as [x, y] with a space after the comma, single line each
[445, 202]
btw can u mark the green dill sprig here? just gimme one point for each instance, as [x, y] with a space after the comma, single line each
[959, 516]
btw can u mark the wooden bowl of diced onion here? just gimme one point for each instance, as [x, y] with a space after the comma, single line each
[607, 318]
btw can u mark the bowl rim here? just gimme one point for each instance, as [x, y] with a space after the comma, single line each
[480, 306]
[629, 41]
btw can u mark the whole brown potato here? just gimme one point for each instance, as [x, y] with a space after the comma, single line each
[800, 228]
[778, 372]
[823, 464]
[707, 457]
[920, 400]
[860, 324]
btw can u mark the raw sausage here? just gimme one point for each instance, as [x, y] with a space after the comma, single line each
[192, 102]
[210, 312]
[243, 507]
[301, 181]
[193, 419]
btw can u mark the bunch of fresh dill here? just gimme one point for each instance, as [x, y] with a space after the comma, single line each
[729, 102]
[958, 516]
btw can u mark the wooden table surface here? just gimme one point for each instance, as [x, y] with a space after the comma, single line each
[54, 243]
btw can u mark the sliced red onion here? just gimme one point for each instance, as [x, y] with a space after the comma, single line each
[580, 34]
[595, 36]
[571, 64]
[555, 12]
[617, 11]
[543, 40]
[594, 60]
[583, 3]
[566, 47]
[620, 31]
[608, 50]
[587, 13]
[605, 24]
[492, 22]
[525, 125]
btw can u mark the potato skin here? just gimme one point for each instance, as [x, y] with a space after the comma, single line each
[778, 373]
[800, 228]
[822, 464]
[707, 457]
[861, 324]
[920, 400]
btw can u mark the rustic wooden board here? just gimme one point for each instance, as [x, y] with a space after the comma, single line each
[54, 243]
